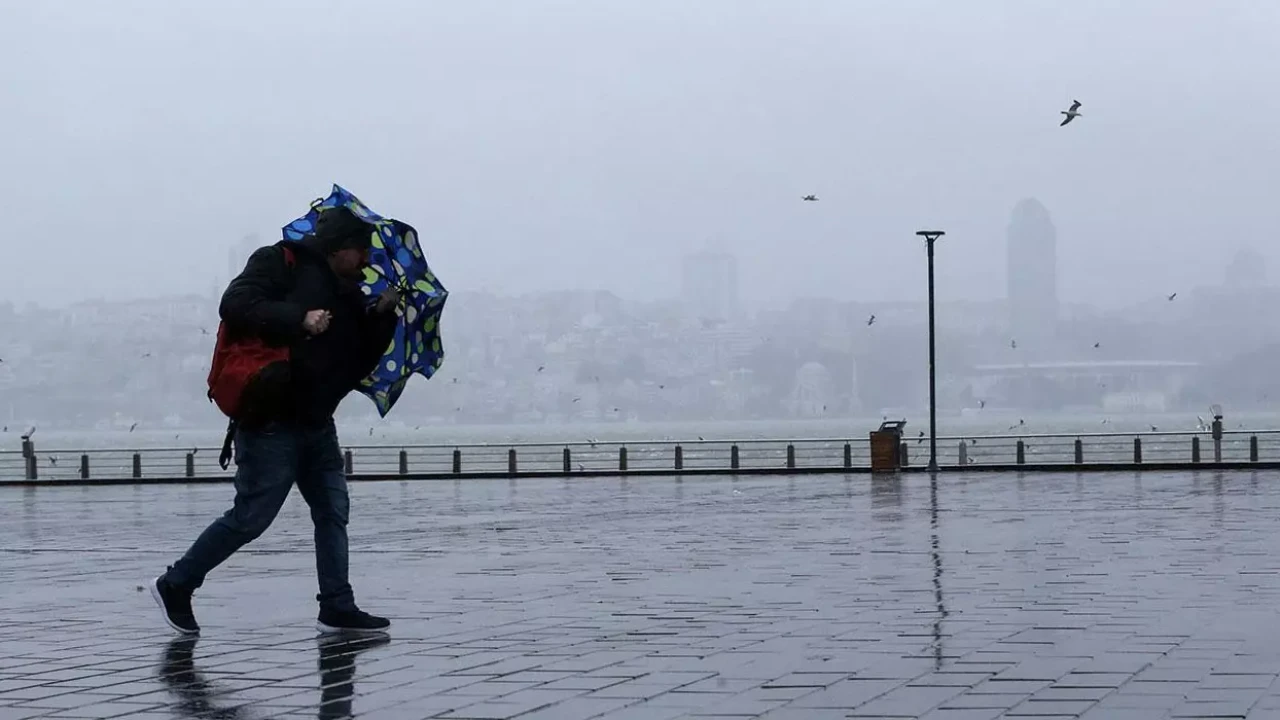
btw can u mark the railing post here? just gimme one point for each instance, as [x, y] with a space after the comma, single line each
[29, 456]
[679, 458]
[137, 465]
[1253, 448]
[84, 466]
[1217, 440]
[457, 461]
[568, 461]
[622, 458]
[1137, 451]
[1021, 453]
[1195, 449]
[191, 465]
[791, 456]
[904, 457]
[512, 467]
[404, 462]
[848, 456]
[963, 453]
[733, 457]
[1079, 452]
[348, 462]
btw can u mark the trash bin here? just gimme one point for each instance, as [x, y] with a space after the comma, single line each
[884, 445]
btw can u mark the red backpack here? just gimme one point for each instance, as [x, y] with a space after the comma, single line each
[237, 362]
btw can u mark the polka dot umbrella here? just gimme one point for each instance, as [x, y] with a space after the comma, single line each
[395, 260]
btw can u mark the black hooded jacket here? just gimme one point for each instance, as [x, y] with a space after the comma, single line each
[269, 300]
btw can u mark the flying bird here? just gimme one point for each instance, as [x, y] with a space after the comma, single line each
[810, 198]
[1071, 113]
[204, 331]
[1154, 428]
[982, 404]
[53, 460]
[146, 355]
[133, 427]
[1013, 344]
[1171, 297]
[541, 368]
[871, 320]
[920, 438]
[1097, 345]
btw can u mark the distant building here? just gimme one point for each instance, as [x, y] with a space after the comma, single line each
[238, 254]
[812, 391]
[1247, 270]
[709, 285]
[1033, 278]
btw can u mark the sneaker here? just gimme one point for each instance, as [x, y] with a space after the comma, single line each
[176, 604]
[336, 621]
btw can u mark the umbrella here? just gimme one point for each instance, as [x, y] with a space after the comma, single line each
[395, 260]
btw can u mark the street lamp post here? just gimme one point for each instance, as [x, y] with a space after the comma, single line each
[929, 237]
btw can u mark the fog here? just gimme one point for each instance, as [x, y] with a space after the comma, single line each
[549, 145]
[555, 145]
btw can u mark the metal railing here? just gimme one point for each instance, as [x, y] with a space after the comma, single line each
[798, 455]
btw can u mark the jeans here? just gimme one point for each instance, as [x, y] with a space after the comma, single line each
[269, 461]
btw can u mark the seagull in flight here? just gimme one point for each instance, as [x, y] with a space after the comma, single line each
[810, 198]
[1171, 297]
[1013, 344]
[871, 320]
[1071, 113]
[1097, 345]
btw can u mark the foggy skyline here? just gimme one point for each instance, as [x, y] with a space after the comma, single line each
[557, 144]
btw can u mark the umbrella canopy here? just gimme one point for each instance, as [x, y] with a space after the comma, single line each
[395, 260]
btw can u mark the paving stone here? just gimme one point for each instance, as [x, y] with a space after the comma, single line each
[821, 598]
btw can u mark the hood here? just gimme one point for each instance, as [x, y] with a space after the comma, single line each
[336, 229]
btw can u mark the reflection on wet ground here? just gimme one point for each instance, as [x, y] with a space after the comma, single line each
[974, 596]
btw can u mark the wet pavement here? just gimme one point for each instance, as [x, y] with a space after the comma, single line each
[1116, 596]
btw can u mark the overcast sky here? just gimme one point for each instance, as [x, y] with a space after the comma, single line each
[563, 144]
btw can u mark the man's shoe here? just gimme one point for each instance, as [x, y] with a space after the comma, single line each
[176, 605]
[336, 621]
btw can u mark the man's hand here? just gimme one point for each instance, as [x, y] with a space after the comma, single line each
[316, 321]
[387, 300]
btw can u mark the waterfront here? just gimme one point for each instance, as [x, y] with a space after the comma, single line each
[397, 434]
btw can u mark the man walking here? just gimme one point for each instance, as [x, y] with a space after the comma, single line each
[305, 297]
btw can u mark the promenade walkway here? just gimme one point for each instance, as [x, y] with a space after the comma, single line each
[1119, 596]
